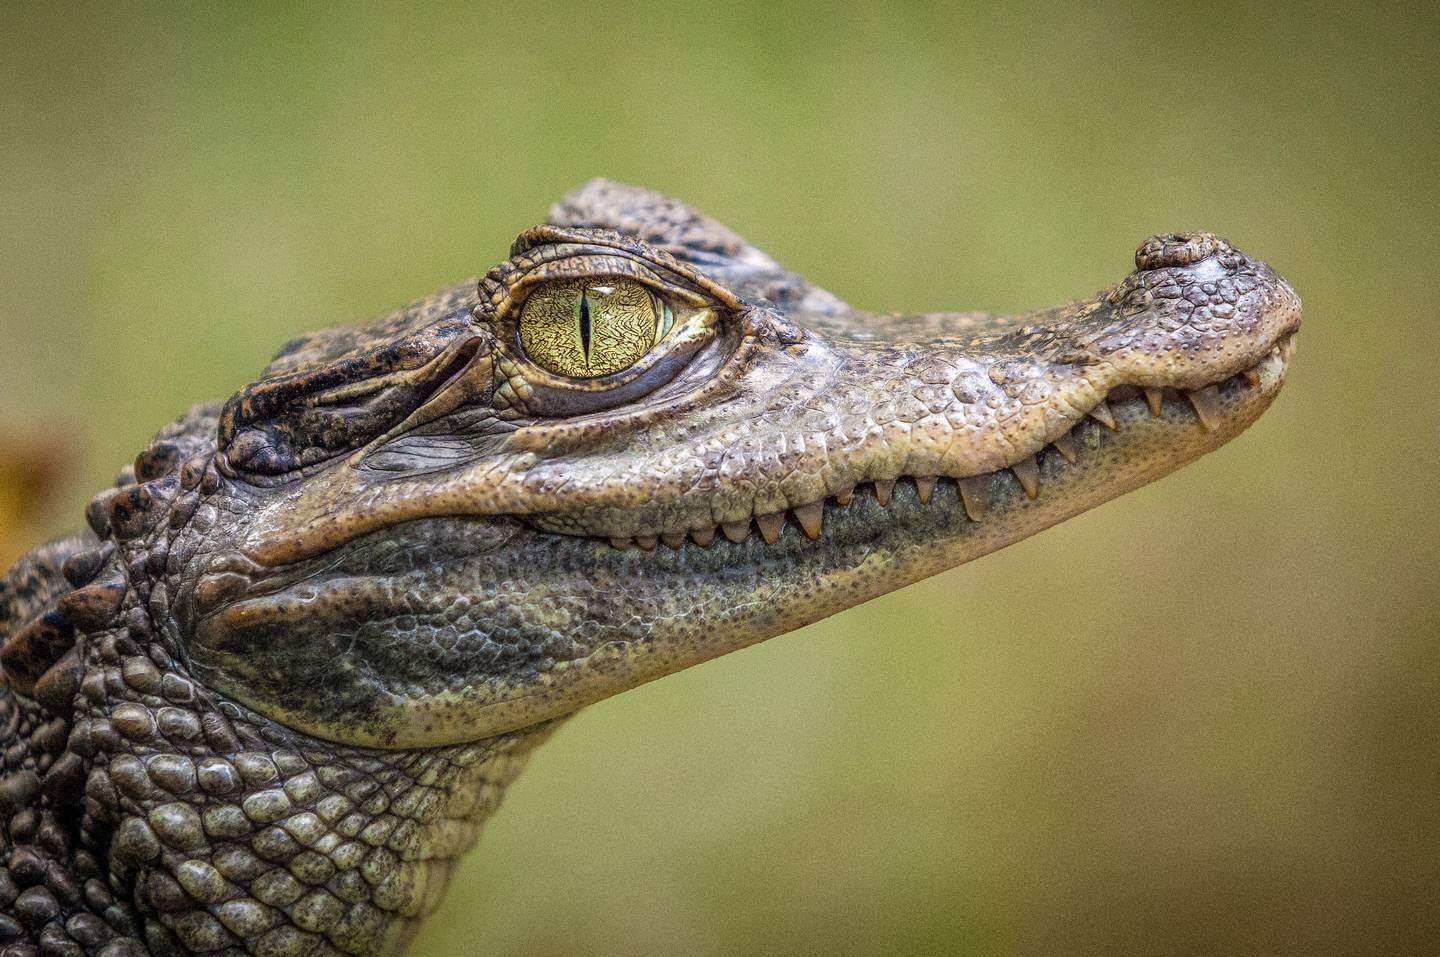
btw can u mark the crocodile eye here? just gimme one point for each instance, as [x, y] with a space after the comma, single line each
[590, 328]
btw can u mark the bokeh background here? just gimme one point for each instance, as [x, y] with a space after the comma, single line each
[1202, 719]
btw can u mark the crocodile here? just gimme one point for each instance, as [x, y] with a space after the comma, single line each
[265, 701]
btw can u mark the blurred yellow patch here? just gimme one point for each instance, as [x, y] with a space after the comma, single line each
[31, 469]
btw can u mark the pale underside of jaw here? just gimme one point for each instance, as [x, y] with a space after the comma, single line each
[1207, 404]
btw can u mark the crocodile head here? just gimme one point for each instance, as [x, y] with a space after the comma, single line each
[269, 701]
[638, 443]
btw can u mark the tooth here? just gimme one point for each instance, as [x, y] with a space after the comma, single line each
[975, 493]
[703, 536]
[623, 543]
[1029, 475]
[811, 518]
[673, 539]
[1252, 376]
[1101, 413]
[770, 526]
[843, 496]
[1207, 406]
[737, 532]
[924, 488]
[1154, 398]
[1065, 445]
[646, 542]
[884, 488]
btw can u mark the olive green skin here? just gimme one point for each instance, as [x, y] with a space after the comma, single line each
[265, 703]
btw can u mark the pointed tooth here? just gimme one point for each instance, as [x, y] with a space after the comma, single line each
[924, 488]
[1065, 445]
[843, 496]
[1102, 414]
[1155, 399]
[647, 543]
[975, 493]
[623, 543]
[673, 539]
[884, 488]
[1029, 475]
[703, 536]
[770, 526]
[1252, 376]
[1207, 406]
[737, 532]
[811, 518]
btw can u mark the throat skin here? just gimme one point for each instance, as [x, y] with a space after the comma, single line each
[268, 698]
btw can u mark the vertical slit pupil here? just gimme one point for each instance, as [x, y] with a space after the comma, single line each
[585, 323]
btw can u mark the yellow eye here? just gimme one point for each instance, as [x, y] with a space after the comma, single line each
[585, 328]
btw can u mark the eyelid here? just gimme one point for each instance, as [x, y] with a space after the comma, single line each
[664, 318]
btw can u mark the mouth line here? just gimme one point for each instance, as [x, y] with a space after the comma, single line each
[1207, 404]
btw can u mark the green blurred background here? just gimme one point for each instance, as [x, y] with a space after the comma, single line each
[1201, 719]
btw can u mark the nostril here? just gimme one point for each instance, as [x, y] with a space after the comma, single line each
[1180, 249]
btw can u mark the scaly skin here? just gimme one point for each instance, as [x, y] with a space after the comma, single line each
[265, 703]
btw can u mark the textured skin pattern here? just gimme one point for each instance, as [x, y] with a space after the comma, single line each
[147, 815]
[226, 835]
[268, 699]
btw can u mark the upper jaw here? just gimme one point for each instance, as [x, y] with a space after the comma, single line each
[833, 413]
[1195, 421]
[804, 423]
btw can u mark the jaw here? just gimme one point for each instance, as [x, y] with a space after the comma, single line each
[536, 625]
[566, 561]
[704, 602]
